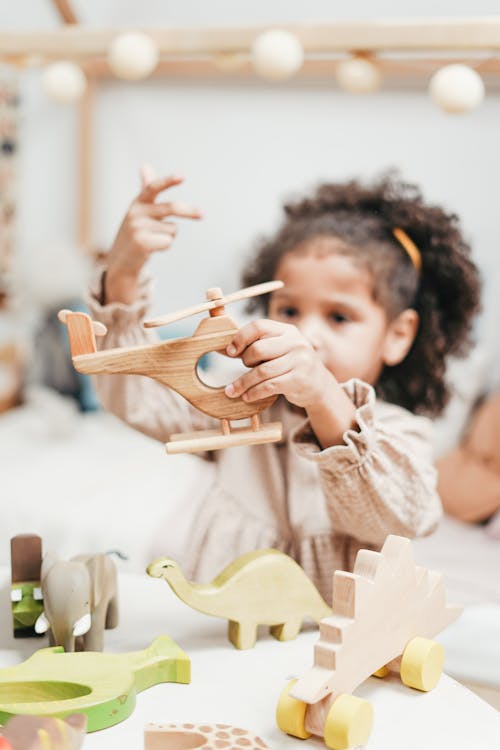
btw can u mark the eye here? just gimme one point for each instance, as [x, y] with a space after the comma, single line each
[337, 317]
[288, 311]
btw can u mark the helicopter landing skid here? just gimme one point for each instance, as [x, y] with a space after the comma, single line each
[212, 440]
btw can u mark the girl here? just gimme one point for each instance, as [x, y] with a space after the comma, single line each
[379, 290]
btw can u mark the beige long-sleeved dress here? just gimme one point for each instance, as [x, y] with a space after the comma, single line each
[319, 506]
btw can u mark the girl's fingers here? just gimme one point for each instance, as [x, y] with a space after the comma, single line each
[265, 349]
[153, 241]
[161, 210]
[158, 227]
[267, 371]
[254, 331]
[272, 387]
[147, 175]
[152, 189]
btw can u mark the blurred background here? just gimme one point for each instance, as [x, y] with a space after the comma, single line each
[245, 143]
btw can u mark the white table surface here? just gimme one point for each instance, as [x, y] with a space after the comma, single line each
[241, 687]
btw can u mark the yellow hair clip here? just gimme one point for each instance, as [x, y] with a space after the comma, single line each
[409, 247]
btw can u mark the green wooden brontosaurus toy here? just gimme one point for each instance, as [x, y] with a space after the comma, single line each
[265, 587]
[102, 686]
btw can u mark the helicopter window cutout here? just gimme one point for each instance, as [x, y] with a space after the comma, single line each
[174, 363]
[216, 370]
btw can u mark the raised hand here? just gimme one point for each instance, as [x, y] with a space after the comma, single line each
[146, 228]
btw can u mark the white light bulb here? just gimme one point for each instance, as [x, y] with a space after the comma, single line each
[457, 88]
[64, 82]
[358, 75]
[277, 54]
[133, 56]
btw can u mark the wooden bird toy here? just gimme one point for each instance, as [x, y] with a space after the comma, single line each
[101, 686]
[203, 736]
[25, 591]
[174, 364]
[44, 733]
[265, 587]
[384, 616]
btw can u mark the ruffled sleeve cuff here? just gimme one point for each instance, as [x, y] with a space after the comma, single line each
[118, 316]
[357, 443]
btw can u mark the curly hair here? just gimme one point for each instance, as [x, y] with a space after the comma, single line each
[445, 294]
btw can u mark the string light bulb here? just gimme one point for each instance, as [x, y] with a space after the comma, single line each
[359, 75]
[64, 82]
[277, 54]
[133, 56]
[456, 88]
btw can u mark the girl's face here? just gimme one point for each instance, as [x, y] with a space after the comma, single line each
[330, 300]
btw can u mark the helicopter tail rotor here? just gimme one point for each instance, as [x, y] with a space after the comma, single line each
[82, 331]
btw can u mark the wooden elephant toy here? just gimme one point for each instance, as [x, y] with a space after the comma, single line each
[80, 600]
[44, 733]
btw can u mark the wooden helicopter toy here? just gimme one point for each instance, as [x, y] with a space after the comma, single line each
[174, 364]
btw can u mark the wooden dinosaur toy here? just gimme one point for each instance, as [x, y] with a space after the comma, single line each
[264, 587]
[384, 616]
[174, 364]
[44, 733]
[205, 736]
[102, 686]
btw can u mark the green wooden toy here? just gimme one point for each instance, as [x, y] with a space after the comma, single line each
[102, 686]
[25, 592]
[265, 587]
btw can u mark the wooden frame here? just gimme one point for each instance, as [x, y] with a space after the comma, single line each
[404, 49]
[81, 43]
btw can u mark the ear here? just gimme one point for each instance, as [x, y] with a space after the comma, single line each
[49, 560]
[96, 566]
[399, 337]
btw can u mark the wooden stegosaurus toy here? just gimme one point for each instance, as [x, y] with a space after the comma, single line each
[264, 587]
[384, 615]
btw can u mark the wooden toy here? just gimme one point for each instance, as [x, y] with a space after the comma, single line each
[11, 364]
[101, 686]
[384, 615]
[264, 587]
[80, 599]
[206, 736]
[173, 363]
[45, 733]
[25, 591]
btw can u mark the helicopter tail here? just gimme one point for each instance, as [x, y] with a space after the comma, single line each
[82, 331]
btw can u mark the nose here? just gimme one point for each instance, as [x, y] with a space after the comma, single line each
[311, 328]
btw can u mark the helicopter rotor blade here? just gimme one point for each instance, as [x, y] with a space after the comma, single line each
[164, 320]
[251, 291]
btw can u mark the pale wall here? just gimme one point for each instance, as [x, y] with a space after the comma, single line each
[246, 147]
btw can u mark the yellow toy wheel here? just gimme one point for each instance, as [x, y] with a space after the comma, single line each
[382, 672]
[349, 722]
[422, 664]
[291, 714]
